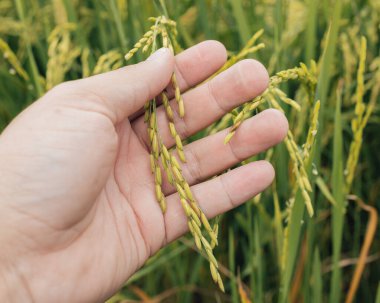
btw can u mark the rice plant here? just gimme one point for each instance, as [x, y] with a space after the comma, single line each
[311, 237]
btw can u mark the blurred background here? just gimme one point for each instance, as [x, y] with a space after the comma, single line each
[270, 248]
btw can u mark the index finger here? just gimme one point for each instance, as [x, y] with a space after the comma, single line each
[195, 65]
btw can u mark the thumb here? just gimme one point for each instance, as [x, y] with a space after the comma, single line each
[124, 91]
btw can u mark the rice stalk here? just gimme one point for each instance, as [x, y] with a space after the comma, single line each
[360, 120]
[339, 208]
[86, 71]
[62, 54]
[36, 78]
[109, 61]
[11, 26]
[249, 48]
[205, 236]
[12, 59]
[299, 73]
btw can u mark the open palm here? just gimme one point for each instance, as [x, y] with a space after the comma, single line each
[78, 213]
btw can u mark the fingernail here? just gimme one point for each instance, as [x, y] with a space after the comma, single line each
[158, 54]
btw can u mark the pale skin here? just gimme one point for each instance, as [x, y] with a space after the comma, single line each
[78, 213]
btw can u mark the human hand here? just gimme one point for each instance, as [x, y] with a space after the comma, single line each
[78, 213]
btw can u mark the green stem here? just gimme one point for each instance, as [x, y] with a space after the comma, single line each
[326, 72]
[311, 31]
[119, 25]
[164, 9]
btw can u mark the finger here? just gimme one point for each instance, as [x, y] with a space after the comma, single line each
[198, 63]
[195, 65]
[120, 93]
[219, 195]
[209, 156]
[208, 102]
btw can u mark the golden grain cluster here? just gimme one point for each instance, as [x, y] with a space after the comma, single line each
[163, 33]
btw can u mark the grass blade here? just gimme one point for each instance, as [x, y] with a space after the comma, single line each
[338, 209]
[241, 20]
[316, 281]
